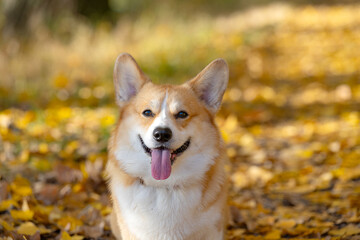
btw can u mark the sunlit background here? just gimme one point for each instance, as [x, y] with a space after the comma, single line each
[290, 116]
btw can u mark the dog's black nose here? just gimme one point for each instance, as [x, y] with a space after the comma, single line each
[162, 134]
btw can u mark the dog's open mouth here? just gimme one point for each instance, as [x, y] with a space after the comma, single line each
[163, 158]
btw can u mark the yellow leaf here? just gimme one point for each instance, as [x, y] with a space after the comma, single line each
[306, 153]
[66, 236]
[106, 211]
[22, 215]
[274, 234]
[74, 223]
[83, 170]
[77, 237]
[41, 164]
[46, 210]
[231, 123]
[24, 156]
[43, 148]
[107, 121]
[239, 179]
[64, 113]
[237, 232]
[349, 230]
[225, 136]
[286, 223]
[6, 225]
[4, 205]
[21, 186]
[23, 121]
[27, 228]
[43, 230]
[71, 147]
[266, 221]
[61, 81]
[231, 152]
[22, 190]
[77, 188]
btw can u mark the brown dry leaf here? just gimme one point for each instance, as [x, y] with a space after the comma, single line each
[48, 193]
[35, 236]
[65, 174]
[4, 190]
[90, 215]
[16, 236]
[94, 231]
[93, 169]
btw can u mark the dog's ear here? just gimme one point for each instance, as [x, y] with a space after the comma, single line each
[210, 84]
[128, 78]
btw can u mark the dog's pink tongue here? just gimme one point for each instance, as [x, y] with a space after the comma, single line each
[160, 164]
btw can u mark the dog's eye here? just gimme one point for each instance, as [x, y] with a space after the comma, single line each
[148, 113]
[181, 114]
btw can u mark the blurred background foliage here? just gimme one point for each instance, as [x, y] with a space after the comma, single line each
[290, 117]
[62, 52]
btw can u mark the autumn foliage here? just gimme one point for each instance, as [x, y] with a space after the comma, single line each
[290, 119]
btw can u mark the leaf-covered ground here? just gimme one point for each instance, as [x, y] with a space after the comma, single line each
[290, 119]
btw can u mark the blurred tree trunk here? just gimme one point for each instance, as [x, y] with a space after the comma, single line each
[23, 16]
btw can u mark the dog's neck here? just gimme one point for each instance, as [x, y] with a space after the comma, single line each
[142, 182]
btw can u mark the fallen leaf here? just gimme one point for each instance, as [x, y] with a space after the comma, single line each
[71, 222]
[4, 190]
[27, 228]
[66, 236]
[21, 186]
[94, 231]
[35, 236]
[6, 226]
[22, 215]
[285, 223]
[65, 174]
[274, 234]
[348, 230]
[48, 193]
[7, 204]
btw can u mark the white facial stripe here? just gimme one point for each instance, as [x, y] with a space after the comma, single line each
[164, 110]
[163, 119]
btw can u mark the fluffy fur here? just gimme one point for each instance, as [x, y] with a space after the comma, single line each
[191, 203]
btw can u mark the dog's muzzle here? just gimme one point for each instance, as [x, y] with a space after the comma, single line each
[174, 153]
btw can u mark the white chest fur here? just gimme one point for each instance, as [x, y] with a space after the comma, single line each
[160, 213]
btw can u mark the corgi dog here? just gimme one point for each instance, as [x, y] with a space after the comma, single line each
[166, 156]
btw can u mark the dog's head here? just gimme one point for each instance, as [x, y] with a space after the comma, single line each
[167, 132]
